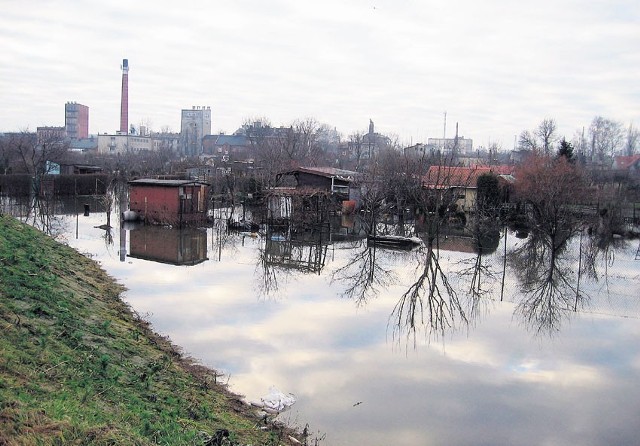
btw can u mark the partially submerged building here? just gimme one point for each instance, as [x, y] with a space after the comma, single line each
[169, 202]
[462, 182]
[309, 194]
[326, 179]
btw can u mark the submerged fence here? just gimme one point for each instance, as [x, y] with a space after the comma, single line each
[25, 184]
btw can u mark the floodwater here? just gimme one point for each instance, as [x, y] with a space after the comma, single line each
[372, 355]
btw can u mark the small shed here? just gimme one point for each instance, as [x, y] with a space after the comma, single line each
[329, 179]
[306, 194]
[169, 202]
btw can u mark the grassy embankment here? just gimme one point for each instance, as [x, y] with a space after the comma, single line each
[77, 366]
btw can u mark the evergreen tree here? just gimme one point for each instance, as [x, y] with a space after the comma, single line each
[566, 150]
[489, 195]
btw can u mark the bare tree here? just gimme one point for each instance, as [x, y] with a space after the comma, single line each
[284, 147]
[357, 149]
[606, 137]
[328, 139]
[37, 155]
[266, 144]
[550, 187]
[306, 131]
[14, 152]
[541, 139]
[401, 178]
[527, 141]
[546, 132]
[631, 141]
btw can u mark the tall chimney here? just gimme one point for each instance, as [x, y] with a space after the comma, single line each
[124, 98]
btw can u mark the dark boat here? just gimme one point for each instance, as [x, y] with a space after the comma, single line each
[243, 225]
[394, 241]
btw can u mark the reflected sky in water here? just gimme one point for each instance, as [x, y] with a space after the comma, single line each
[495, 381]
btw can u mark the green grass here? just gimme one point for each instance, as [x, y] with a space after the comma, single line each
[78, 367]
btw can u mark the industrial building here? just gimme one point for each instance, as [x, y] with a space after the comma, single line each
[76, 120]
[195, 124]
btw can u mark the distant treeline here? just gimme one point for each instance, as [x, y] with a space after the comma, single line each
[25, 184]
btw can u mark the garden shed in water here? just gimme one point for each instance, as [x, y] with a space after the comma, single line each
[169, 202]
[329, 179]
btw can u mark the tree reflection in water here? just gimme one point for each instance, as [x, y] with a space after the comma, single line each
[269, 276]
[545, 269]
[224, 240]
[555, 268]
[431, 302]
[362, 275]
[478, 272]
[598, 251]
[37, 211]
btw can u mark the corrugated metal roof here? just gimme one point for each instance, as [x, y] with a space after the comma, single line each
[168, 183]
[328, 172]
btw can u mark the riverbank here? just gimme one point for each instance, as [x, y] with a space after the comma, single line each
[79, 367]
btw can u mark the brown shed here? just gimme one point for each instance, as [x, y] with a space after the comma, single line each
[330, 179]
[169, 202]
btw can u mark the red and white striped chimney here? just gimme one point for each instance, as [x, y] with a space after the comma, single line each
[124, 98]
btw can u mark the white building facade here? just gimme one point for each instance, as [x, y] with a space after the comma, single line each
[120, 143]
[449, 145]
[195, 123]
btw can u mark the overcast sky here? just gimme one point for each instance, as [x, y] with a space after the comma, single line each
[496, 67]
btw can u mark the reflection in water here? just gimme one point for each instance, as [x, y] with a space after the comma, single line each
[39, 212]
[478, 275]
[598, 251]
[315, 345]
[46, 212]
[544, 268]
[306, 256]
[362, 275]
[431, 300]
[285, 252]
[184, 246]
[551, 274]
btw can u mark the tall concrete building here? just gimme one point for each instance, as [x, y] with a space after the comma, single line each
[195, 123]
[76, 120]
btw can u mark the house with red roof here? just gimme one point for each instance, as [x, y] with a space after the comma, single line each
[630, 164]
[461, 181]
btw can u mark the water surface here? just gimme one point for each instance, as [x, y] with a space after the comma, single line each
[362, 370]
